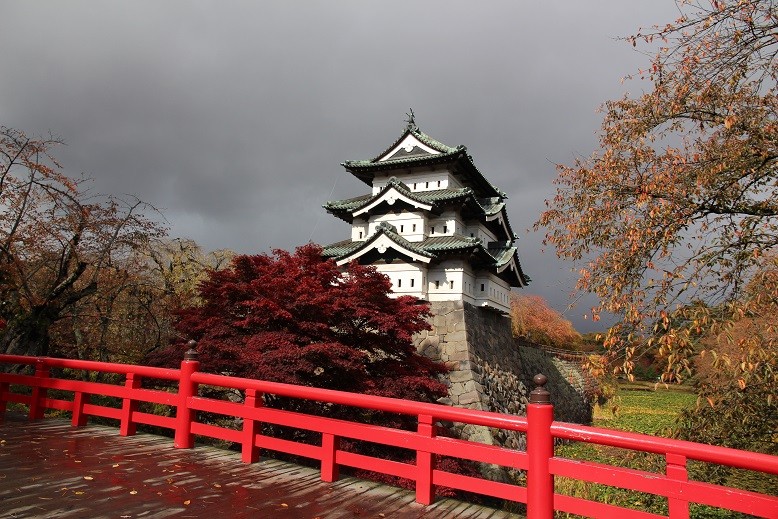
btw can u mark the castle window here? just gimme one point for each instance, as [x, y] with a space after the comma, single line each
[360, 234]
[451, 285]
[412, 280]
[427, 184]
[414, 185]
[445, 229]
[414, 228]
[438, 183]
[399, 283]
[437, 284]
[432, 231]
[482, 287]
[401, 228]
[471, 235]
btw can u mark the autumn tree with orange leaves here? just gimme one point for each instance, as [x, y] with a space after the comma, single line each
[680, 203]
[673, 222]
[59, 243]
[535, 321]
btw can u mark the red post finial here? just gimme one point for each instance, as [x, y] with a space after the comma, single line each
[540, 394]
[191, 353]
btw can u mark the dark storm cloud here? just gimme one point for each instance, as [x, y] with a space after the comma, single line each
[233, 117]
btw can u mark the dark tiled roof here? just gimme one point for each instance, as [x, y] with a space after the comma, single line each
[423, 197]
[348, 204]
[491, 205]
[433, 247]
[362, 168]
[422, 137]
[405, 160]
[437, 247]
[452, 243]
[341, 248]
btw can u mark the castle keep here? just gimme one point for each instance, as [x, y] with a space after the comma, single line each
[432, 223]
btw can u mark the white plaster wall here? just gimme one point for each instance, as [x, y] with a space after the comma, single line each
[496, 292]
[407, 278]
[447, 224]
[359, 230]
[480, 231]
[446, 280]
[419, 180]
[404, 222]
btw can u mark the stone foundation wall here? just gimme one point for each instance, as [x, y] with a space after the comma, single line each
[489, 370]
[570, 387]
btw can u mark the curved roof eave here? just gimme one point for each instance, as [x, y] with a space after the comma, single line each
[394, 240]
[502, 217]
[403, 193]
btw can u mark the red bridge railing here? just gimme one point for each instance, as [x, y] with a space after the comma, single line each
[539, 461]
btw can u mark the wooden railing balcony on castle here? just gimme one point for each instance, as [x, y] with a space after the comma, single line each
[538, 461]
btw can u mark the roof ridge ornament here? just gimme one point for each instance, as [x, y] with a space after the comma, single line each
[411, 121]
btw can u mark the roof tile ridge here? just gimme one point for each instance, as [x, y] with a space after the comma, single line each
[391, 232]
[434, 143]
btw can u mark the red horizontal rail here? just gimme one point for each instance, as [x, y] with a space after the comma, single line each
[376, 403]
[657, 445]
[538, 460]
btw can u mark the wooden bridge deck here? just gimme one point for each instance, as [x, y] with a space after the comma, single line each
[50, 469]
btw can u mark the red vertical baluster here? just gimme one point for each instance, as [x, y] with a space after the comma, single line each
[425, 463]
[79, 419]
[676, 469]
[129, 405]
[5, 387]
[249, 451]
[186, 389]
[329, 449]
[37, 406]
[540, 448]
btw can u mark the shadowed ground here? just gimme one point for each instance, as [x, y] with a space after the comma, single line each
[50, 469]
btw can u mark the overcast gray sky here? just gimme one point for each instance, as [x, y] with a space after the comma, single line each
[233, 117]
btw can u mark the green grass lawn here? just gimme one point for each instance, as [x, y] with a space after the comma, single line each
[641, 407]
[645, 407]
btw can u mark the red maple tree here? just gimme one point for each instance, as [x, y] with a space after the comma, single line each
[297, 318]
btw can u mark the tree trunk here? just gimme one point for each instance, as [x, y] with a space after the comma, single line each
[28, 334]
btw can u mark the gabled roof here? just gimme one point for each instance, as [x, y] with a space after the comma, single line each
[490, 208]
[393, 191]
[415, 148]
[383, 239]
[414, 143]
[499, 257]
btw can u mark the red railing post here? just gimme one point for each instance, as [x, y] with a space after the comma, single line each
[5, 387]
[540, 448]
[186, 389]
[329, 449]
[37, 406]
[126, 426]
[675, 468]
[79, 419]
[425, 463]
[249, 451]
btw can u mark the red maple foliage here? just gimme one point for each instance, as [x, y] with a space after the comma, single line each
[299, 319]
[296, 318]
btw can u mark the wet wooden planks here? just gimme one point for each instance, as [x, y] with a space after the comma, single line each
[50, 469]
